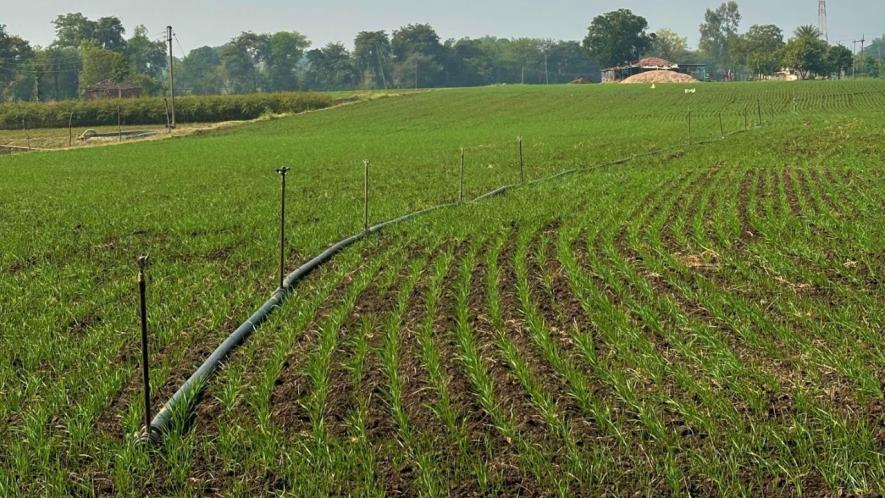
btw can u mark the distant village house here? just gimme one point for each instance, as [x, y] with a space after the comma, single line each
[620, 73]
[109, 89]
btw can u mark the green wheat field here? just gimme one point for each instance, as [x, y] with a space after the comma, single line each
[704, 319]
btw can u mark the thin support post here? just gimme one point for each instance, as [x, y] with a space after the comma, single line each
[366, 196]
[119, 124]
[689, 127]
[521, 162]
[168, 122]
[721, 127]
[71, 129]
[27, 133]
[145, 364]
[171, 76]
[461, 179]
[282, 172]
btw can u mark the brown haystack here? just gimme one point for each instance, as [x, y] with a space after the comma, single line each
[653, 62]
[660, 77]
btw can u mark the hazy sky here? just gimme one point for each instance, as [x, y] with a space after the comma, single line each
[213, 22]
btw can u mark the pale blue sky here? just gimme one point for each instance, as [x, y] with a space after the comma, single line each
[213, 22]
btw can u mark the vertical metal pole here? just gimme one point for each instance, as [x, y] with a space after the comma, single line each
[27, 133]
[168, 123]
[689, 127]
[119, 124]
[171, 75]
[721, 127]
[145, 365]
[521, 162]
[71, 129]
[461, 179]
[282, 172]
[759, 111]
[366, 196]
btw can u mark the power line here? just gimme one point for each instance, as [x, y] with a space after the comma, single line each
[175, 35]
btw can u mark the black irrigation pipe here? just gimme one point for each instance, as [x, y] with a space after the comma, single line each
[183, 399]
[189, 391]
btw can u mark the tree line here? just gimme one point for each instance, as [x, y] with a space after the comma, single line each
[87, 51]
[620, 37]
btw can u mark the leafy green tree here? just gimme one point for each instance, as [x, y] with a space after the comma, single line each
[617, 37]
[719, 34]
[761, 49]
[108, 34]
[240, 60]
[839, 59]
[418, 56]
[100, 64]
[668, 44]
[568, 61]
[527, 56]
[372, 54]
[876, 49]
[18, 73]
[469, 64]
[806, 52]
[284, 51]
[869, 66]
[59, 73]
[331, 68]
[71, 30]
[145, 56]
[199, 73]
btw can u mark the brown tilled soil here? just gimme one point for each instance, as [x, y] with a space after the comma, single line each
[748, 231]
[510, 396]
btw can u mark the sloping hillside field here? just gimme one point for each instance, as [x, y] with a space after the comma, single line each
[704, 319]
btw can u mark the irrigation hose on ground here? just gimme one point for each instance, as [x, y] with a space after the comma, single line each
[183, 399]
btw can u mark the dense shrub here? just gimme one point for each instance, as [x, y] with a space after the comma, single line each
[152, 110]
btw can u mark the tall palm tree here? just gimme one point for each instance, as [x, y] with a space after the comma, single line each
[807, 31]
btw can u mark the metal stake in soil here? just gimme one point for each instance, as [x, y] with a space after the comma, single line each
[721, 128]
[521, 162]
[689, 127]
[27, 133]
[366, 196]
[145, 365]
[461, 179]
[71, 129]
[282, 172]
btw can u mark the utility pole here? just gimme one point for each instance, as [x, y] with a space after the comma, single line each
[862, 41]
[171, 76]
[854, 60]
